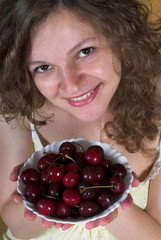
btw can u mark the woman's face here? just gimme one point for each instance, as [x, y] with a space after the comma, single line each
[73, 67]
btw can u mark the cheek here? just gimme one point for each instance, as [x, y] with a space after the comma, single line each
[107, 74]
[112, 73]
[48, 88]
[106, 68]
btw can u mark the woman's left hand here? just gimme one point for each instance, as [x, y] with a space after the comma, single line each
[125, 205]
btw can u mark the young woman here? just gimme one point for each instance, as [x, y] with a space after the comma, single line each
[81, 68]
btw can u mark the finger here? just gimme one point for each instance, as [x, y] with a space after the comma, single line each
[58, 225]
[135, 182]
[66, 226]
[29, 215]
[14, 174]
[127, 203]
[16, 198]
[46, 224]
[92, 224]
[109, 218]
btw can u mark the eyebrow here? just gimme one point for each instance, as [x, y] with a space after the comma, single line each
[38, 63]
[69, 52]
[80, 44]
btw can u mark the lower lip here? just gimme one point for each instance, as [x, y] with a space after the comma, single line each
[86, 101]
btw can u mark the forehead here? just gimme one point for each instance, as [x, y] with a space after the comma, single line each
[62, 26]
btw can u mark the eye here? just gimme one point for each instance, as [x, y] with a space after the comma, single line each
[86, 52]
[43, 68]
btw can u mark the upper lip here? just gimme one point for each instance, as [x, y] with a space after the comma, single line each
[82, 93]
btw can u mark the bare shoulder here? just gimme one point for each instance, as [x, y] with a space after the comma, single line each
[154, 206]
[15, 126]
[154, 200]
[15, 139]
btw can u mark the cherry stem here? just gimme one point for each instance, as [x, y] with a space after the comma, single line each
[72, 160]
[79, 145]
[76, 206]
[50, 163]
[83, 189]
[56, 159]
[50, 197]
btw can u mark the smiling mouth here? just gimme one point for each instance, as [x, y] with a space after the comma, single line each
[84, 99]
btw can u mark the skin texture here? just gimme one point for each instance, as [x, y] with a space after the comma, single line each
[62, 70]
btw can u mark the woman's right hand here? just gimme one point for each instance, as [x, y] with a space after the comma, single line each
[17, 199]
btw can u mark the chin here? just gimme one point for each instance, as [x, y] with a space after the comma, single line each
[89, 117]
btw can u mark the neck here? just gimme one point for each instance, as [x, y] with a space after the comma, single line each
[66, 125]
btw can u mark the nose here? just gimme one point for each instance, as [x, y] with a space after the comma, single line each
[70, 83]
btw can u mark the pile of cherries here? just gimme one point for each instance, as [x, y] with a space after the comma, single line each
[73, 184]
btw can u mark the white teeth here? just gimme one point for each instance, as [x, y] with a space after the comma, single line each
[82, 98]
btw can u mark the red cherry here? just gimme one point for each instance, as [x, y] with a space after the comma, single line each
[46, 160]
[65, 155]
[89, 193]
[89, 173]
[56, 189]
[52, 155]
[94, 155]
[62, 210]
[88, 208]
[100, 172]
[117, 183]
[71, 179]
[68, 146]
[46, 206]
[106, 163]
[44, 176]
[42, 188]
[33, 192]
[118, 170]
[29, 175]
[72, 167]
[79, 158]
[71, 197]
[56, 173]
[105, 199]
[74, 213]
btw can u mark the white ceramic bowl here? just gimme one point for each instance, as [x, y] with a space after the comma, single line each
[109, 153]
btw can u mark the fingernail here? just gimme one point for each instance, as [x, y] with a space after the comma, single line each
[30, 216]
[136, 183]
[89, 226]
[16, 199]
[47, 224]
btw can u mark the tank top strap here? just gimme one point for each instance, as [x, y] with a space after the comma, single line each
[156, 168]
[35, 137]
[158, 161]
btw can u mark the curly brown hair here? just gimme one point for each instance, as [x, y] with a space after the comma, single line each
[136, 41]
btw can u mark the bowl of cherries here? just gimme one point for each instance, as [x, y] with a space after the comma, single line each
[74, 181]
